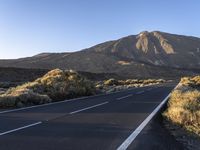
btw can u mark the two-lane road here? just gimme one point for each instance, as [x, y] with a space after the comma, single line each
[98, 122]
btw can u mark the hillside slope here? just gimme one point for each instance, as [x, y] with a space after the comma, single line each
[146, 54]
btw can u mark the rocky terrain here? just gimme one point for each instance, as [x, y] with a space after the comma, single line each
[148, 54]
[10, 77]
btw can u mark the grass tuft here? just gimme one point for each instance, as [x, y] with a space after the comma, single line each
[53, 86]
[184, 105]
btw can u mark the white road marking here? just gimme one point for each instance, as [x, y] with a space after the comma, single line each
[34, 124]
[77, 111]
[17, 129]
[124, 97]
[68, 100]
[135, 133]
[140, 92]
[36, 106]
[149, 89]
[122, 147]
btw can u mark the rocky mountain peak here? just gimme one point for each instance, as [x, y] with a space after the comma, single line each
[153, 42]
[135, 55]
[143, 34]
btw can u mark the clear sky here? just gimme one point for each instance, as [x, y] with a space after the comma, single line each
[28, 27]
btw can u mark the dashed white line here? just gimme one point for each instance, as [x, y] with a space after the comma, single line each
[65, 101]
[34, 124]
[53, 103]
[124, 97]
[77, 111]
[17, 129]
[37, 106]
[140, 92]
[135, 133]
[149, 89]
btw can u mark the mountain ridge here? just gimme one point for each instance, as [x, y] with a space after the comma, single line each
[136, 55]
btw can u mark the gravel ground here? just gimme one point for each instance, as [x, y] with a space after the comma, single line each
[189, 140]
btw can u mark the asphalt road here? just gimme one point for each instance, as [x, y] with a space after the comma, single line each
[101, 122]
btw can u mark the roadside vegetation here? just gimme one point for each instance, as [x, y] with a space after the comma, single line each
[59, 85]
[112, 85]
[184, 105]
[54, 86]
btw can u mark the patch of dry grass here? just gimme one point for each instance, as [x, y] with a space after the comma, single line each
[184, 105]
[55, 85]
[111, 82]
[191, 81]
[112, 85]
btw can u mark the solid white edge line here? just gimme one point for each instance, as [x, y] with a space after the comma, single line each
[121, 147]
[135, 133]
[77, 111]
[17, 129]
[132, 137]
[124, 97]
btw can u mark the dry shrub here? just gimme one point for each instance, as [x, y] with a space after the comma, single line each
[133, 82]
[191, 81]
[55, 85]
[22, 97]
[111, 82]
[184, 107]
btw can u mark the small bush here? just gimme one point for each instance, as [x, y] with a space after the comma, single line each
[184, 105]
[20, 98]
[55, 85]
[111, 82]
[133, 82]
[192, 82]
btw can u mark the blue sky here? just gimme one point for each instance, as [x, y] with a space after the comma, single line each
[28, 27]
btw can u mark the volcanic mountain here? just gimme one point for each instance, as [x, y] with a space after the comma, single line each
[148, 54]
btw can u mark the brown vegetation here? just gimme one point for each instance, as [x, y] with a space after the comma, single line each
[112, 85]
[184, 105]
[55, 85]
[133, 82]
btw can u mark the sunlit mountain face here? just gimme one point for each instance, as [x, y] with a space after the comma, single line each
[146, 54]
